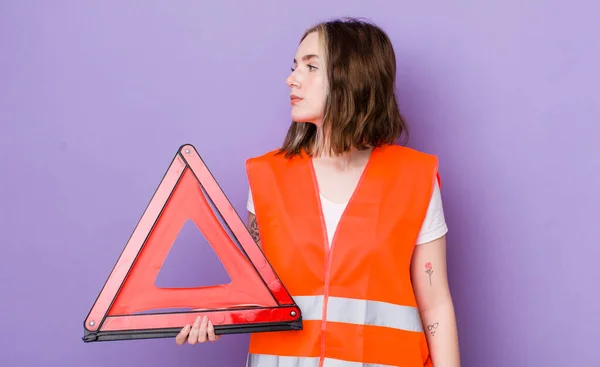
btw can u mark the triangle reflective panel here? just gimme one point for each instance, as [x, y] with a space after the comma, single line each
[131, 306]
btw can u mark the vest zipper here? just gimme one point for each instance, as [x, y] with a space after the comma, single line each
[329, 249]
[328, 261]
[328, 257]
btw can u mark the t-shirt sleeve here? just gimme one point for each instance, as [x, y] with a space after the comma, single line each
[250, 204]
[434, 226]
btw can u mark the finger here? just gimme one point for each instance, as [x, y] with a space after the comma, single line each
[193, 338]
[203, 327]
[180, 338]
[211, 332]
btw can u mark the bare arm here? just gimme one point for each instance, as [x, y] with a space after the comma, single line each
[253, 228]
[430, 283]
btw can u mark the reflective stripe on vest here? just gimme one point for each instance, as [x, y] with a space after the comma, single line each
[362, 312]
[265, 360]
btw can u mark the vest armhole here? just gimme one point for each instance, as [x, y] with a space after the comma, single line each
[252, 170]
[436, 171]
[259, 172]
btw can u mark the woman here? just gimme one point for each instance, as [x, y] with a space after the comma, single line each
[351, 222]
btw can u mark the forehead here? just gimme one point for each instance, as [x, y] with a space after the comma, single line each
[310, 45]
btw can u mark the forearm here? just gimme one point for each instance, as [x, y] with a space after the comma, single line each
[439, 324]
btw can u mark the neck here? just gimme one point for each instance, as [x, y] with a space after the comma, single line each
[352, 159]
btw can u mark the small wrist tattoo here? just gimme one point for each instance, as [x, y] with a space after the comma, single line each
[432, 328]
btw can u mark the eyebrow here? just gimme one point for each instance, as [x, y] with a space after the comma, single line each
[307, 57]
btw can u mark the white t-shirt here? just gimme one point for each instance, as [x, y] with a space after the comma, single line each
[434, 226]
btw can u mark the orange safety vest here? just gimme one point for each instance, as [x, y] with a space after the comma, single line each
[356, 298]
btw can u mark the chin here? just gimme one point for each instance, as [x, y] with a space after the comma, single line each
[296, 117]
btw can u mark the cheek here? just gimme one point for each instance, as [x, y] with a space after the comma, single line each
[312, 107]
[318, 92]
[317, 101]
[323, 90]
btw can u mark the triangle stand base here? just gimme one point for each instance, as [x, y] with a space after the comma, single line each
[172, 332]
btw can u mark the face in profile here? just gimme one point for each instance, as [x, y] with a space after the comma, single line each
[308, 81]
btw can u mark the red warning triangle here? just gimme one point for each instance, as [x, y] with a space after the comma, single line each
[130, 306]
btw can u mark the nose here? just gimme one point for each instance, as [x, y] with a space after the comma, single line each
[292, 81]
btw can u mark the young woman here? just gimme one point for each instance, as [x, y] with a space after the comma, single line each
[351, 221]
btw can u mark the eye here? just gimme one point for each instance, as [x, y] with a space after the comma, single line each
[312, 68]
[292, 69]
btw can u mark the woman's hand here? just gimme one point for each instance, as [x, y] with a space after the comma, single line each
[201, 331]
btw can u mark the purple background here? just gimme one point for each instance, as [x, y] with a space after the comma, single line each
[96, 98]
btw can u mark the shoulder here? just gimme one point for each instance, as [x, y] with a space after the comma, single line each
[404, 153]
[418, 163]
[405, 150]
[265, 165]
[274, 158]
[266, 156]
[261, 159]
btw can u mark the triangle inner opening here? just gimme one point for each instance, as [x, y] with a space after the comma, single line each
[191, 262]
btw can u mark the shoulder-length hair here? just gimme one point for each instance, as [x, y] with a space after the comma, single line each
[360, 110]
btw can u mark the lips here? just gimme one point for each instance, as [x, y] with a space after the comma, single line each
[295, 99]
